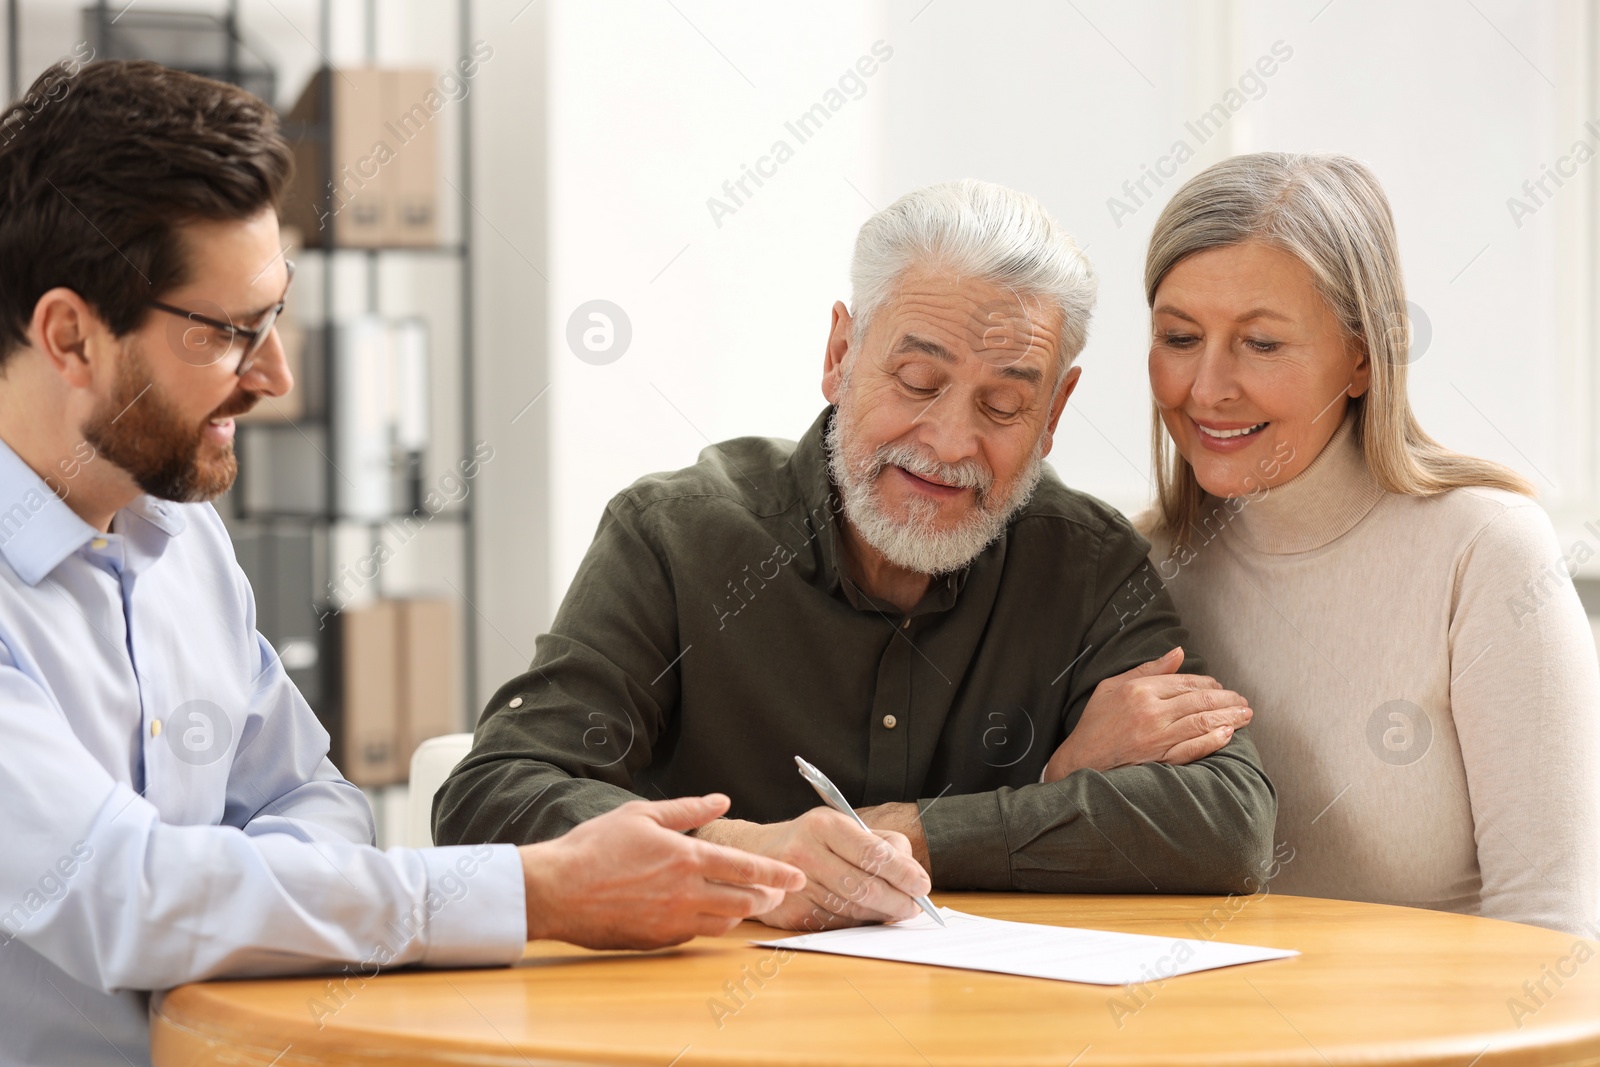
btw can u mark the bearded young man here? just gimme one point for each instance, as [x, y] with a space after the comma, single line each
[171, 813]
[980, 658]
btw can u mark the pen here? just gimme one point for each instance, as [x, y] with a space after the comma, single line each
[834, 799]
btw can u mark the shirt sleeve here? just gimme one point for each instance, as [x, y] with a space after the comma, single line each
[1524, 698]
[282, 781]
[547, 757]
[96, 882]
[1204, 827]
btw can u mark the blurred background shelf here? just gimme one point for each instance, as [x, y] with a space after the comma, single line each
[211, 43]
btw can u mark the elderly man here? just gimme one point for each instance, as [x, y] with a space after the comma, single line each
[980, 658]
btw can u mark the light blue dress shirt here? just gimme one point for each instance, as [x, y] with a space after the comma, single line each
[168, 811]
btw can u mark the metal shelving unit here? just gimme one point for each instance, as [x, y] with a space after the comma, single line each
[461, 252]
[114, 30]
[235, 67]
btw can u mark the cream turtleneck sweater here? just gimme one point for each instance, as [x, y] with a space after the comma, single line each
[1425, 688]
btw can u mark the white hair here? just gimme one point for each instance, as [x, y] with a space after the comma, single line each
[975, 229]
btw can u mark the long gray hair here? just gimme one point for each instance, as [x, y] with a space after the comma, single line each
[1330, 213]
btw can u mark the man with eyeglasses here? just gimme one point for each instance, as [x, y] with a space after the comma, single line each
[213, 340]
[170, 810]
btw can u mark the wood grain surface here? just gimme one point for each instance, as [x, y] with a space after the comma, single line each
[1374, 985]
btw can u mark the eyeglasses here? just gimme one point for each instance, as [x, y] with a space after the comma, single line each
[197, 345]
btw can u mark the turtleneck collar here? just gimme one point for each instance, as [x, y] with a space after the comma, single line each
[1317, 506]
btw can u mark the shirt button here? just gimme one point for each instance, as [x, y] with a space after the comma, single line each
[155, 727]
[889, 721]
[906, 625]
[516, 702]
[98, 543]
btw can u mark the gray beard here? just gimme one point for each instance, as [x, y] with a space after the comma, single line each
[916, 543]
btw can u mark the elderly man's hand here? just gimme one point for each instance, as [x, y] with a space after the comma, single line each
[853, 876]
[1150, 714]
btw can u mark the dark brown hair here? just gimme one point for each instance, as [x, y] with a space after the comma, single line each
[99, 167]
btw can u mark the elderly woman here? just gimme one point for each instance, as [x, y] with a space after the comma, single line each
[1430, 725]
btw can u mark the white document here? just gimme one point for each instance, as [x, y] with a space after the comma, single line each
[1062, 953]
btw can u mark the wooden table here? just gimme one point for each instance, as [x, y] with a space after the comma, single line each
[1375, 985]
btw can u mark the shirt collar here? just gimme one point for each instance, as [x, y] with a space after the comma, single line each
[38, 530]
[164, 515]
[825, 518]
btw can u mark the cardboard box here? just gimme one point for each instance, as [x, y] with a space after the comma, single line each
[410, 97]
[385, 163]
[365, 719]
[351, 211]
[394, 684]
[430, 690]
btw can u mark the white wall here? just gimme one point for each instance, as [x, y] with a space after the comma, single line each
[1038, 99]
[510, 221]
[650, 114]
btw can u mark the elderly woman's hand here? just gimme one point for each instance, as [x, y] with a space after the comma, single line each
[1150, 714]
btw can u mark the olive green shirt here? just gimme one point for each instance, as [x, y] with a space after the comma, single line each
[713, 633]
